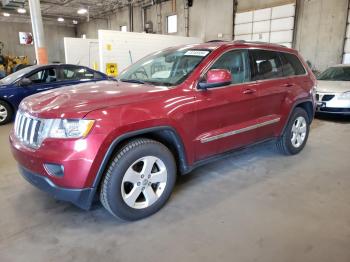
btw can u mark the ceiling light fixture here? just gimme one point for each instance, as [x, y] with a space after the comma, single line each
[6, 14]
[82, 11]
[60, 19]
[75, 22]
[21, 10]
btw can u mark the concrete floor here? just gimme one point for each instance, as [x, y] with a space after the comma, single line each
[253, 206]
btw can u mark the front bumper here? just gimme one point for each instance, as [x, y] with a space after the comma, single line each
[330, 103]
[76, 185]
[79, 197]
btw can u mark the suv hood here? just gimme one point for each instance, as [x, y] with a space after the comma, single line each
[78, 100]
[333, 86]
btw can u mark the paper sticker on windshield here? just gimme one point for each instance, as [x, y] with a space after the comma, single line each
[197, 53]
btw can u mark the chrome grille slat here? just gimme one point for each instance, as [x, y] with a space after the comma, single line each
[27, 129]
[18, 116]
[21, 126]
[16, 123]
[32, 133]
[20, 119]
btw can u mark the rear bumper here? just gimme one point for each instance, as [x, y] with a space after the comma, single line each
[79, 197]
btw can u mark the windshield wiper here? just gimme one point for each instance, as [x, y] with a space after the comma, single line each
[135, 81]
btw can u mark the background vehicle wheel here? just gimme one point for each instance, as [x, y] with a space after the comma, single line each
[296, 133]
[139, 180]
[6, 113]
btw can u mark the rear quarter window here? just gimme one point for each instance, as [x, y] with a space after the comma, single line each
[291, 65]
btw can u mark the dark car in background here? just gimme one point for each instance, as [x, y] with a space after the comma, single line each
[34, 79]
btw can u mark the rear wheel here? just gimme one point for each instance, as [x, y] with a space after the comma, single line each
[296, 133]
[139, 180]
[6, 113]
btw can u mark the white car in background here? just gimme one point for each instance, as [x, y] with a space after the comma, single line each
[333, 90]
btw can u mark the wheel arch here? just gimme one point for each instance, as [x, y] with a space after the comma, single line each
[307, 105]
[166, 135]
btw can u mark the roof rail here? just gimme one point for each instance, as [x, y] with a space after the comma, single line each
[256, 42]
[216, 41]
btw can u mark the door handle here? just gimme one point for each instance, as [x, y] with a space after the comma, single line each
[288, 85]
[249, 91]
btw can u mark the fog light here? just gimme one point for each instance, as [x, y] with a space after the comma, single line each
[54, 170]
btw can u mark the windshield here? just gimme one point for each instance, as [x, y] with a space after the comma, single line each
[14, 76]
[341, 73]
[169, 67]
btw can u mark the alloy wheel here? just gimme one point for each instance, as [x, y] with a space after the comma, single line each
[299, 130]
[144, 182]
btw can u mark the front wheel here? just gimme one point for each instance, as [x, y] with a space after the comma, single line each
[296, 133]
[139, 180]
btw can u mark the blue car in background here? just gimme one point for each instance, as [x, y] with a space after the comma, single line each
[35, 79]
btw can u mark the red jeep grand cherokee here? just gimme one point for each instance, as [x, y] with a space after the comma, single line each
[170, 112]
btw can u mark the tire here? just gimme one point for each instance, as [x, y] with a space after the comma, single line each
[293, 140]
[139, 168]
[6, 113]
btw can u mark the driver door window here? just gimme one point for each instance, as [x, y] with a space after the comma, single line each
[237, 62]
[48, 75]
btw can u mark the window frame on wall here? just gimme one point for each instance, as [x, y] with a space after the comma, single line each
[175, 24]
[123, 28]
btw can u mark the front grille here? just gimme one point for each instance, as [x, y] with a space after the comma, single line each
[27, 129]
[326, 98]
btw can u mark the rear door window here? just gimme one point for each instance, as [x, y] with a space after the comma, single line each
[237, 62]
[267, 65]
[291, 65]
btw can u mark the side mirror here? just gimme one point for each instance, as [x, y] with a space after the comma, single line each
[215, 78]
[25, 82]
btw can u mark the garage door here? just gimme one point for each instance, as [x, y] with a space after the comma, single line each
[274, 25]
[346, 57]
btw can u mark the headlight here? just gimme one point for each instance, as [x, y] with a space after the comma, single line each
[345, 96]
[65, 128]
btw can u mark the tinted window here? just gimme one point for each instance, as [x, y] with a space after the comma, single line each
[98, 75]
[77, 73]
[291, 65]
[168, 67]
[267, 65]
[339, 73]
[48, 75]
[237, 62]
